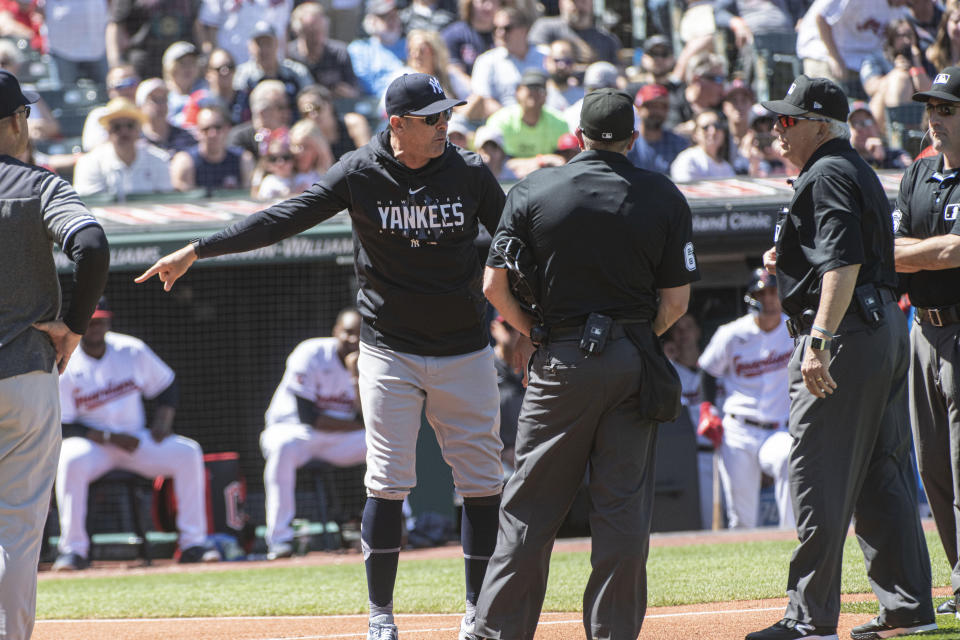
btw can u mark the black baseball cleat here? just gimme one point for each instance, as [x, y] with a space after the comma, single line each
[947, 608]
[70, 562]
[788, 629]
[875, 630]
[199, 553]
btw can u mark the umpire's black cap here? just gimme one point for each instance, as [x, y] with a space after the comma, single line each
[417, 94]
[607, 115]
[946, 86]
[12, 97]
[812, 95]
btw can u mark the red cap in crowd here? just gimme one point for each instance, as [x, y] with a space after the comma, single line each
[650, 92]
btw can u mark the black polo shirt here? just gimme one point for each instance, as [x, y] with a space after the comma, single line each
[839, 216]
[928, 205]
[605, 235]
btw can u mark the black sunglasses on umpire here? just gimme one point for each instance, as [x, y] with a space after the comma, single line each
[433, 118]
[945, 110]
[788, 121]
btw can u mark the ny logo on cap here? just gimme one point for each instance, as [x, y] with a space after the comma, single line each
[941, 78]
[435, 85]
[606, 135]
[817, 105]
[792, 87]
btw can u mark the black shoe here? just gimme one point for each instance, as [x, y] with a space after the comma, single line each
[875, 630]
[788, 629]
[947, 608]
[70, 562]
[199, 553]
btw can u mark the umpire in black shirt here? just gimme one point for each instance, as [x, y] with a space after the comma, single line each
[926, 225]
[848, 413]
[608, 241]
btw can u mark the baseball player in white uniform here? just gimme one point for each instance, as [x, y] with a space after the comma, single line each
[313, 414]
[750, 356]
[101, 397]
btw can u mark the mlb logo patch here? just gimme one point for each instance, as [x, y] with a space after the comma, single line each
[941, 78]
[897, 216]
[794, 86]
[950, 212]
[689, 259]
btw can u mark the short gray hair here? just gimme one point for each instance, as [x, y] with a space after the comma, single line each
[263, 95]
[836, 128]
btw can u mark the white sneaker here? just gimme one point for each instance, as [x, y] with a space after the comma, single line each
[382, 629]
[280, 550]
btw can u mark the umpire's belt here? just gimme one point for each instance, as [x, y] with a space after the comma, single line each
[801, 323]
[768, 426]
[568, 334]
[939, 317]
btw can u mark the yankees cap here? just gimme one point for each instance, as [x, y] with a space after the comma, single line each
[12, 97]
[946, 86]
[812, 95]
[417, 94]
[607, 115]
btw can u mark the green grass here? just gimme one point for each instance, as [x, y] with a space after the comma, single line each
[677, 575]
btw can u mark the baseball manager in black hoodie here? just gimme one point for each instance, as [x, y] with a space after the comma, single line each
[415, 201]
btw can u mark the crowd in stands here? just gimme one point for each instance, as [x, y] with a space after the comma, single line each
[265, 94]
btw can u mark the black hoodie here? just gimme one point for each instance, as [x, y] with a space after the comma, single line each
[413, 231]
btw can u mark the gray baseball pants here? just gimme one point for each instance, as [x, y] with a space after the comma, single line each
[29, 448]
[850, 458]
[458, 395]
[580, 414]
[935, 415]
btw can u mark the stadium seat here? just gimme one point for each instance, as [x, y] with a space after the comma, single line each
[776, 64]
[905, 128]
[71, 106]
[132, 514]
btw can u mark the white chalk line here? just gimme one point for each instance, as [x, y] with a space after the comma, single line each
[406, 632]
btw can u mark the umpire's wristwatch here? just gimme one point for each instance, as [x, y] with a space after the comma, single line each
[819, 344]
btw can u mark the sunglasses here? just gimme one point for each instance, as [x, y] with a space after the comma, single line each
[860, 124]
[126, 83]
[283, 157]
[120, 125]
[788, 121]
[945, 110]
[719, 79]
[25, 111]
[213, 127]
[433, 118]
[224, 69]
[660, 53]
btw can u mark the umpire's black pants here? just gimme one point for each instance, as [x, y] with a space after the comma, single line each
[935, 415]
[850, 457]
[578, 412]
